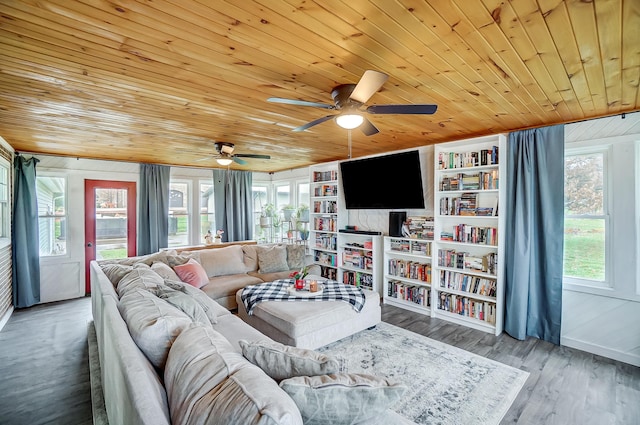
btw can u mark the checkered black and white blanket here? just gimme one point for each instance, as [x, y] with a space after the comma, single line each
[277, 291]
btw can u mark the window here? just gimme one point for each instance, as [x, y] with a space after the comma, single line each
[260, 199]
[179, 213]
[303, 194]
[5, 215]
[586, 218]
[52, 220]
[207, 210]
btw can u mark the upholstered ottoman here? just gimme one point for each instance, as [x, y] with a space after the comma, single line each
[311, 324]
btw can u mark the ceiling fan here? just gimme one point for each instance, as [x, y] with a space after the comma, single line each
[349, 98]
[226, 156]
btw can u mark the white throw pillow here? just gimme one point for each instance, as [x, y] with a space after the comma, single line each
[164, 270]
[272, 259]
[222, 261]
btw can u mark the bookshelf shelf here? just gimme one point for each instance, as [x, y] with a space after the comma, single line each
[360, 260]
[325, 219]
[468, 283]
[408, 273]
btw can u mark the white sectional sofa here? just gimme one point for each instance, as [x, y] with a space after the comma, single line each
[170, 354]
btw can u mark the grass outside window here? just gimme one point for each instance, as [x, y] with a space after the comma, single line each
[584, 248]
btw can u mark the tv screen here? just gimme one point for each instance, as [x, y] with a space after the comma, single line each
[383, 182]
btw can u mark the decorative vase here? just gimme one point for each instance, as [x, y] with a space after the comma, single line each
[299, 284]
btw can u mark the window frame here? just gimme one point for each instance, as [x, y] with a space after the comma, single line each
[189, 207]
[41, 175]
[5, 225]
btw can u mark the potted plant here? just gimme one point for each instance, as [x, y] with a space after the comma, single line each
[302, 213]
[288, 211]
[267, 215]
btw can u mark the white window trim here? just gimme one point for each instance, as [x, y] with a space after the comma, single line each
[4, 242]
[67, 254]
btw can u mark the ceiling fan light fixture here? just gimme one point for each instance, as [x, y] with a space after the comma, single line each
[224, 161]
[349, 121]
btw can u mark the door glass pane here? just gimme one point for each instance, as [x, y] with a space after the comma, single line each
[111, 223]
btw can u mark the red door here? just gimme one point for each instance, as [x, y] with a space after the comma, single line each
[109, 223]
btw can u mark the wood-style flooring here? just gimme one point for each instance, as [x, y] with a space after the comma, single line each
[44, 372]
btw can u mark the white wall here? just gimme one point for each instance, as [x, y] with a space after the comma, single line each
[63, 277]
[606, 321]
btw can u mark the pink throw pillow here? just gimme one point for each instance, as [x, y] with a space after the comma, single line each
[192, 273]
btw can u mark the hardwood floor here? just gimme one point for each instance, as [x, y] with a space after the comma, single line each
[44, 372]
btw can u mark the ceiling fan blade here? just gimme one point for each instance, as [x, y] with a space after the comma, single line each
[368, 128]
[250, 155]
[312, 123]
[402, 109]
[206, 158]
[300, 103]
[370, 83]
[238, 160]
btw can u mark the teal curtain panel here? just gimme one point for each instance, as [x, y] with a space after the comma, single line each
[534, 233]
[153, 220]
[233, 204]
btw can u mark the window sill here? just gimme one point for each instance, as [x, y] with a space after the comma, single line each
[601, 292]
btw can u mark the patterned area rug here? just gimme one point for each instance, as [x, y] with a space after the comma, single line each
[446, 385]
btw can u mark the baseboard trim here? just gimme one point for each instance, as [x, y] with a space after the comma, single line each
[6, 317]
[599, 350]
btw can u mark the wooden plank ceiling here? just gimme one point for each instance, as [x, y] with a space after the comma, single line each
[159, 81]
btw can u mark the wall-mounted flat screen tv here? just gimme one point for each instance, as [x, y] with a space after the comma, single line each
[383, 182]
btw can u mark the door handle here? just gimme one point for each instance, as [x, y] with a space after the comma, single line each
[89, 244]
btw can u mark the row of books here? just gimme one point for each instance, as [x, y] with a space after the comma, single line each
[467, 283]
[413, 247]
[464, 306]
[326, 258]
[448, 160]
[356, 258]
[415, 294]
[358, 279]
[326, 190]
[410, 269]
[326, 224]
[420, 227]
[465, 205]
[487, 263]
[484, 180]
[471, 234]
[325, 176]
[326, 241]
[325, 207]
[329, 273]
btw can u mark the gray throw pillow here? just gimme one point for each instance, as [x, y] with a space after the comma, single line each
[295, 256]
[115, 272]
[273, 259]
[341, 398]
[164, 270]
[281, 361]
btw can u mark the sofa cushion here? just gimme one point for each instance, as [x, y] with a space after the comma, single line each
[148, 259]
[235, 329]
[281, 361]
[164, 270]
[341, 398]
[192, 273]
[212, 309]
[140, 277]
[250, 257]
[115, 272]
[222, 261]
[206, 380]
[153, 323]
[272, 259]
[183, 302]
[225, 286]
[295, 256]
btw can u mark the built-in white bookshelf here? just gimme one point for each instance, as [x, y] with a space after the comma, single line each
[326, 202]
[468, 282]
[408, 273]
[360, 260]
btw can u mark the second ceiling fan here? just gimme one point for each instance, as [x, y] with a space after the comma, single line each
[349, 99]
